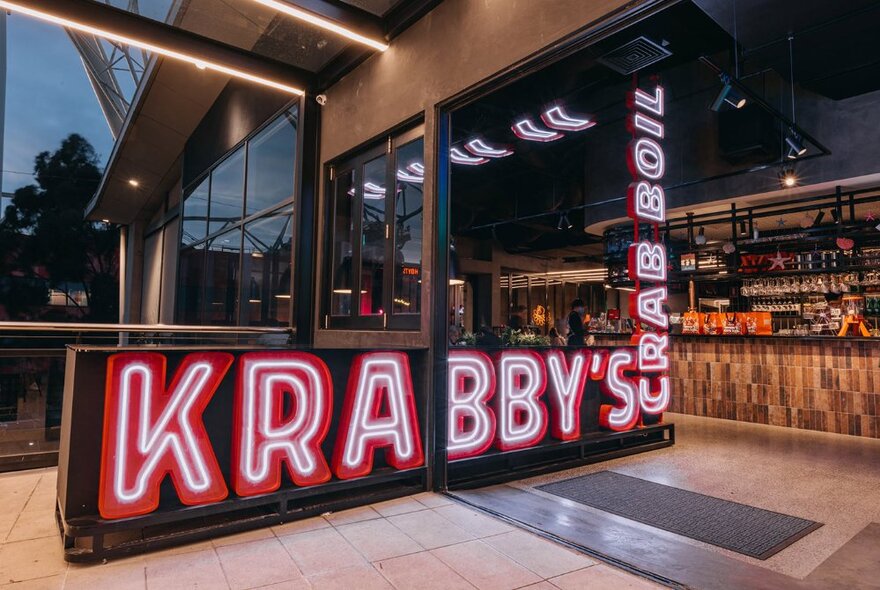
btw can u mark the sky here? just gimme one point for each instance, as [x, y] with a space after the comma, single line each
[48, 97]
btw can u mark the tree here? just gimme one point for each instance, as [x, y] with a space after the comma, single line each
[46, 243]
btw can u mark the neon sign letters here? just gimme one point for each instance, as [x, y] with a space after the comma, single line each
[282, 411]
[646, 204]
[510, 400]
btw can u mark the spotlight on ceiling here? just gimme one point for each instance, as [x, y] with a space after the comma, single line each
[787, 177]
[819, 217]
[728, 95]
[700, 240]
[835, 216]
[743, 231]
[795, 143]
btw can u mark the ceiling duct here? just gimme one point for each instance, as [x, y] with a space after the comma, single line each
[635, 55]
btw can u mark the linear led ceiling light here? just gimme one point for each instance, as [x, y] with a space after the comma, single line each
[459, 157]
[556, 118]
[479, 148]
[405, 176]
[201, 63]
[525, 129]
[319, 21]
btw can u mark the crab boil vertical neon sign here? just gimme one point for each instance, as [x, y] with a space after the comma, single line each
[646, 205]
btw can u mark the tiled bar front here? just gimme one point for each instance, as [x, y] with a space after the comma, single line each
[828, 385]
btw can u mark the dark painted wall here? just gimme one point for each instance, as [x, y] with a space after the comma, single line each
[238, 111]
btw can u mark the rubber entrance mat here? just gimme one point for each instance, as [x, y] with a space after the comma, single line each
[745, 529]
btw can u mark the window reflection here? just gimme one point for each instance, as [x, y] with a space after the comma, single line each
[222, 279]
[191, 279]
[227, 193]
[343, 237]
[271, 155]
[195, 214]
[373, 235]
[408, 217]
[266, 266]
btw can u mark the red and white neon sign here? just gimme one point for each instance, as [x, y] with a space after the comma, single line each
[646, 204]
[264, 436]
[470, 388]
[151, 432]
[378, 380]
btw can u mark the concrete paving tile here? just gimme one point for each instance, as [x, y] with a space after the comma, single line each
[358, 514]
[111, 576]
[429, 529]
[545, 558]
[398, 506]
[34, 525]
[257, 563]
[320, 551]
[195, 569]
[35, 558]
[362, 578]
[421, 571]
[484, 567]
[602, 577]
[545, 585]
[479, 524]
[302, 584]
[433, 500]
[378, 539]
[301, 526]
[50, 583]
[245, 537]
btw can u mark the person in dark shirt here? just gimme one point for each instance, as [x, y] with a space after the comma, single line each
[576, 330]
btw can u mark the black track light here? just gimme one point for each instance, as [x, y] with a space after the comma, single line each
[819, 217]
[835, 216]
[795, 143]
[743, 230]
[728, 95]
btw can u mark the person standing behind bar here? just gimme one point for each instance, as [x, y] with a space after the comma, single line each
[576, 323]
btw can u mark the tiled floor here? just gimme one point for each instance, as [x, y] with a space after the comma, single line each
[422, 542]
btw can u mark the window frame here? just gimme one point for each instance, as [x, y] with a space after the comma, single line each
[355, 163]
[290, 202]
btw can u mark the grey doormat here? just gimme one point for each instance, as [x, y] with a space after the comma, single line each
[745, 529]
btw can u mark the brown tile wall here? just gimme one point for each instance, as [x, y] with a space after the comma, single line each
[827, 385]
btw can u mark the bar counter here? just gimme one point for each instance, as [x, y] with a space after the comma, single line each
[819, 383]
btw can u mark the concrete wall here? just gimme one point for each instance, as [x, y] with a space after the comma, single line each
[457, 45]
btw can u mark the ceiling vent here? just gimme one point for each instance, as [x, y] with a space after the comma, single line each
[635, 55]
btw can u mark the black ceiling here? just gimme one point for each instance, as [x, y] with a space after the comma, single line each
[835, 49]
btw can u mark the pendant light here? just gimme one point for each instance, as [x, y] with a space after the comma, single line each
[794, 141]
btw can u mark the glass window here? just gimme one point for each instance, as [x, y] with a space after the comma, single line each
[266, 264]
[375, 228]
[227, 193]
[195, 214]
[191, 279]
[271, 157]
[373, 235]
[222, 279]
[343, 238]
[408, 219]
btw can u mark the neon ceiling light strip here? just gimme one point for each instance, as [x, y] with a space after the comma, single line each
[479, 148]
[373, 188]
[198, 62]
[416, 168]
[405, 176]
[321, 22]
[556, 118]
[459, 157]
[525, 129]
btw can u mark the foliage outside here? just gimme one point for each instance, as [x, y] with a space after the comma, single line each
[47, 245]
